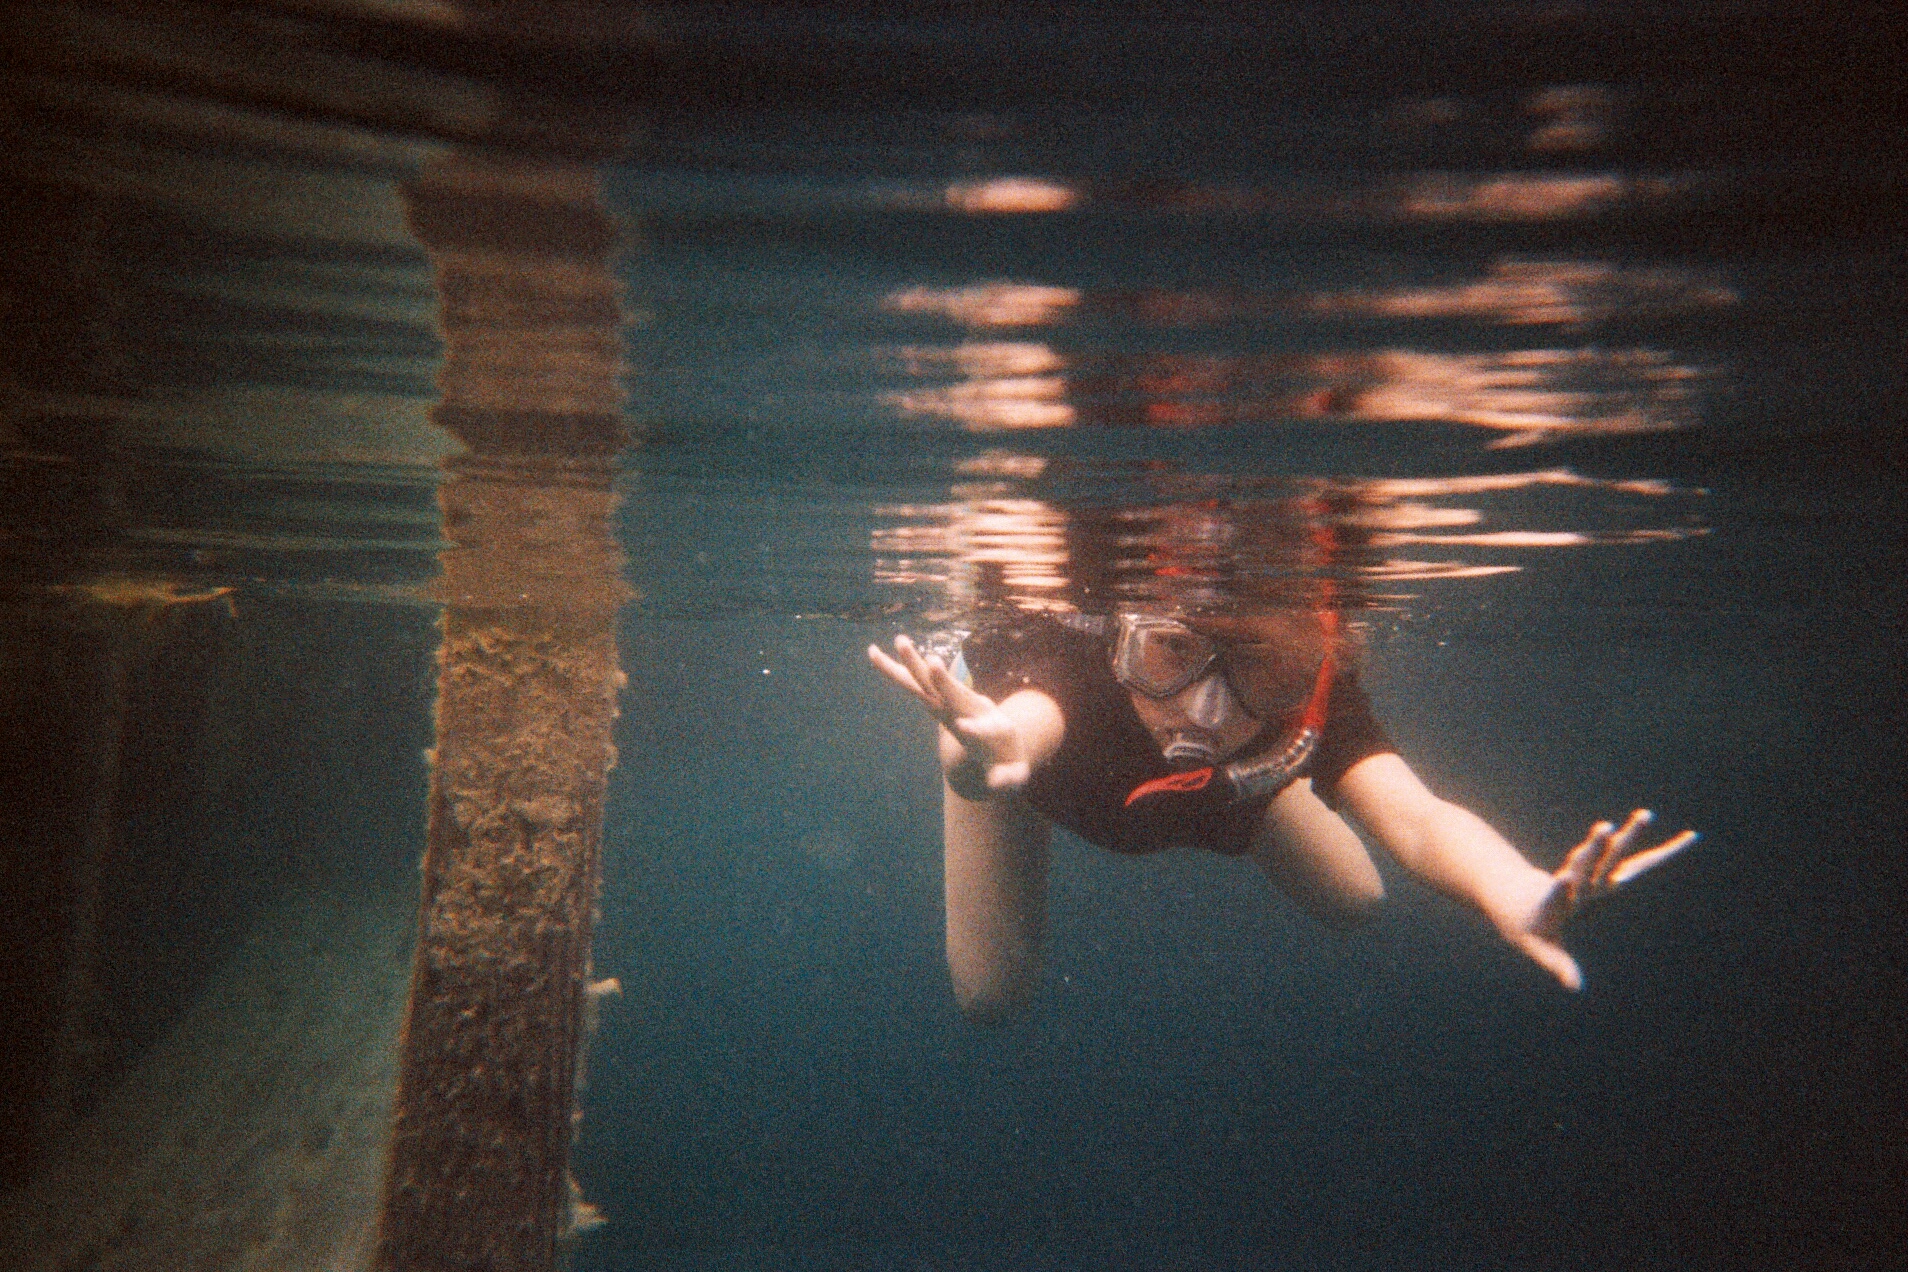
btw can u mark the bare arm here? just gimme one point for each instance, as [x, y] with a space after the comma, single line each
[995, 844]
[1312, 856]
[1458, 853]
[995, 876]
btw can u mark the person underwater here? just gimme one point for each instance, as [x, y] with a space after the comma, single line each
[1247, 735]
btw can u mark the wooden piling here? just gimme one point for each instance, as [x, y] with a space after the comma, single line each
[527, 684]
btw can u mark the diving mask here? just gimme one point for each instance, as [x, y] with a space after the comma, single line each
[1162, 657]
[1172, 660]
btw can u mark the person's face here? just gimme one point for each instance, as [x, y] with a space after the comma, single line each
[1270, 661]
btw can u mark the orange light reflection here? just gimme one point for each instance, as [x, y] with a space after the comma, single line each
[995, 304]
[1000, 195]
[1533, 293]
[1526, 396]
[1529, 396]
[1576, 118]
[1008, 385]
[1534, 196]
[1210, 542]
[985, 545]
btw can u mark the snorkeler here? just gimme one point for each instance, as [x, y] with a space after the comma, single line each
[1247, 736]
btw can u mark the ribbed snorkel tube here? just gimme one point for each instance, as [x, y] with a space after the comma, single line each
[1273, 771]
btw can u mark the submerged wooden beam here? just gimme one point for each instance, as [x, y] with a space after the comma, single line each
[527, 686]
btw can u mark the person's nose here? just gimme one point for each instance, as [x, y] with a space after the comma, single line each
[1209, 703]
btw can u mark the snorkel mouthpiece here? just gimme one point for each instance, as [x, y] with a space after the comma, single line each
[1209, 708]
[1189, 750]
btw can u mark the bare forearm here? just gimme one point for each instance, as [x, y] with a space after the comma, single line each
[1458, 853]
[1449, 847]
[996, 880]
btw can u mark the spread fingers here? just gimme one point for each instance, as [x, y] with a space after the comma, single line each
[1577, 867]
[1634, 866]
[892, 670]
[1617, 845]
[911, 673]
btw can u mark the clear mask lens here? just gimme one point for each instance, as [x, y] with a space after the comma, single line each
[1159, 658]
[1269, 679]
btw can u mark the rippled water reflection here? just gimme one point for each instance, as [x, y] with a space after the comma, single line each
[841, 316]
[1046, 364]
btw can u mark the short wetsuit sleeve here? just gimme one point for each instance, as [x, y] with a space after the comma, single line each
[1352, 733]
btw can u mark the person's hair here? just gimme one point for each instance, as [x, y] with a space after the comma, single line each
[1304, 637]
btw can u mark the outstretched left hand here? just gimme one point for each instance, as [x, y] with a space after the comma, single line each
[1595, 868]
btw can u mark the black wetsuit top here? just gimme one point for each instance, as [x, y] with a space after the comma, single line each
[1107, 752]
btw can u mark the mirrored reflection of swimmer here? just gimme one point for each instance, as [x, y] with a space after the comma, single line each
[1246, 735]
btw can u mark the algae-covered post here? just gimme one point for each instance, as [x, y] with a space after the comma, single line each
[527, 688]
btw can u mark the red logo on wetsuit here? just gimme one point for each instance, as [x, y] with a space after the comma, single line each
[1177, 783]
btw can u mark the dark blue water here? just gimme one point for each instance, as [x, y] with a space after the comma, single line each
[868, 341]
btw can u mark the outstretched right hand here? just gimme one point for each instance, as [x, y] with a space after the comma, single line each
[981, 747]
